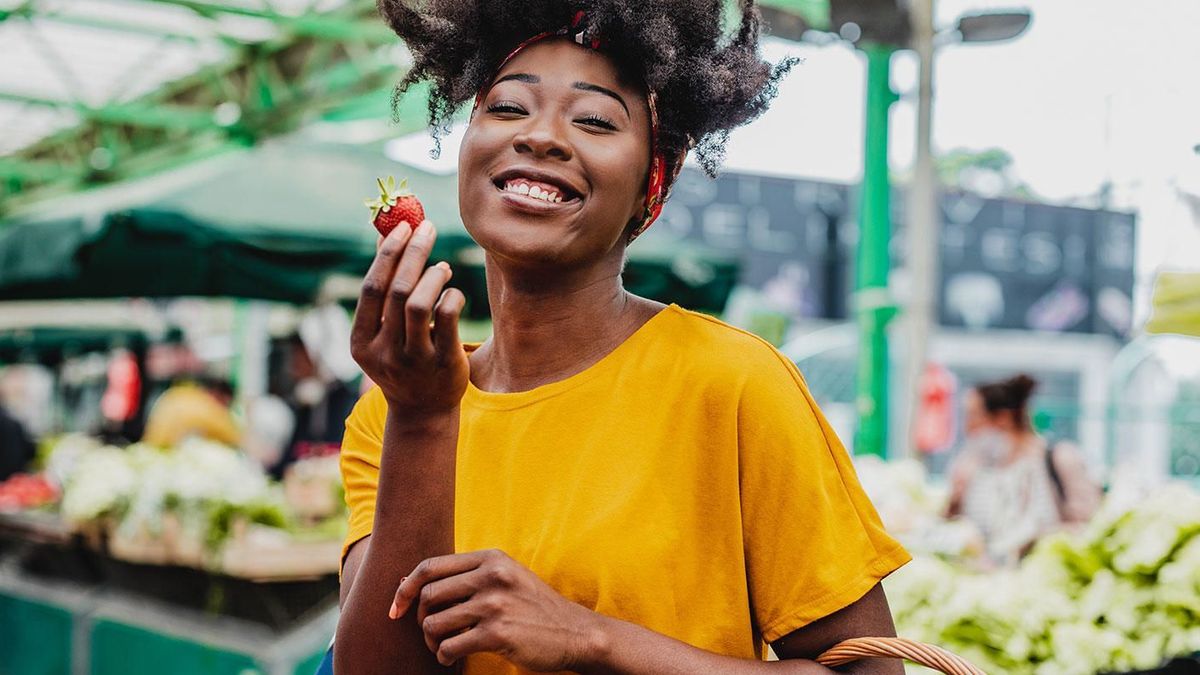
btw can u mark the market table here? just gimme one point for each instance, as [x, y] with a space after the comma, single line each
[67, 609]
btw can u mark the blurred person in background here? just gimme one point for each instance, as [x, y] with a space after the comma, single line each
[27, 391]
[25, 404]
[193, 407]
[323, 390]
[1007, 480]
[17, 449]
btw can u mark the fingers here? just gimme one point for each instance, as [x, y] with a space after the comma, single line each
[419, 310]
[407, 273]
[445, 607]
[443, 593]
[445, 322]
[448, 623]
[472, 641]
[375, 286]
[429, 571]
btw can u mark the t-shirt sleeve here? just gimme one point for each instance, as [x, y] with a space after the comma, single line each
[362, 446]
[813, 542]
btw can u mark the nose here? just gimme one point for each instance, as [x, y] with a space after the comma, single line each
[543, 138]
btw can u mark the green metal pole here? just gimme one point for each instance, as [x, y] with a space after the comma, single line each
[872, 301]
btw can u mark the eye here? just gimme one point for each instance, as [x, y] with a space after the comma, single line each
[598, 122]
[505, 108]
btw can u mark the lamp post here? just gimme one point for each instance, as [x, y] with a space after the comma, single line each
[924, 223]
[884, 27]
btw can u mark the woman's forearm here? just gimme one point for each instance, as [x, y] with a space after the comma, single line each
[623, 648]
[414, 520]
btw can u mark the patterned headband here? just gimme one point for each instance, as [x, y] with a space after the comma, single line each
[658, 187]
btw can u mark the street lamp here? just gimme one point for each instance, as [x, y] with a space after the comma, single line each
[885, 26]
[993, 26]
[924, 224]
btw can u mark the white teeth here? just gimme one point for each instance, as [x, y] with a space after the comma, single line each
[534, 191]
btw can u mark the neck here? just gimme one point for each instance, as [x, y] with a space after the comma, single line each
[549, 327]
[1020, 441]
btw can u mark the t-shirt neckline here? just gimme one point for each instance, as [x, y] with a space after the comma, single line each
[477, 397]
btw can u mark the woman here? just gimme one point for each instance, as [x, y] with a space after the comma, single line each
[1007, 481]
[607, 484]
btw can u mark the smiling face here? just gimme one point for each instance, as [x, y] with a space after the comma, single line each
[554, 163]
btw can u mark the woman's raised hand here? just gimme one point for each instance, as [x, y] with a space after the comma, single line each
[405, 334]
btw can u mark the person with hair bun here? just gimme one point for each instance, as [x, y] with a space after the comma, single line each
[1007, 480]
[606, 484]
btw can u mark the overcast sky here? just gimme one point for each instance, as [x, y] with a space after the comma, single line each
[1094, 90]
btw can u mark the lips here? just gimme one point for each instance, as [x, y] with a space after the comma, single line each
[537, 185]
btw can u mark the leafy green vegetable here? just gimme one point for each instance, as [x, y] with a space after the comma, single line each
[1123, 595]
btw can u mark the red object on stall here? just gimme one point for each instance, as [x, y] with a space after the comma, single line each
[121, 398]
[26, 491]
[934, 430]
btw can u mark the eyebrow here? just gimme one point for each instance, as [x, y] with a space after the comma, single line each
[587, 86]
[582, 86]
[519, 77]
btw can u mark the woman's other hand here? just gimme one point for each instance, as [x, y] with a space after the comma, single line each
[487, 602]
[405, 333]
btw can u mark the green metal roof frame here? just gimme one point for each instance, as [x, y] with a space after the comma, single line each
[317, 62]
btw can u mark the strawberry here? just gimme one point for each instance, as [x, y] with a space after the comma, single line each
[394, 207]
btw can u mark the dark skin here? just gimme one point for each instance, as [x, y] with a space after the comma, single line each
[558, 307]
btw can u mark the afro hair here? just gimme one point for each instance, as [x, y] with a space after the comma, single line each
[709, 77]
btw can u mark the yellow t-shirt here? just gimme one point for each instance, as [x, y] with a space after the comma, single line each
[686, 482]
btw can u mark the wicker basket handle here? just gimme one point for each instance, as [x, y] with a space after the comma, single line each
[919, 653]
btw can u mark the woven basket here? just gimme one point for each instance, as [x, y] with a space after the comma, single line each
[919, 653]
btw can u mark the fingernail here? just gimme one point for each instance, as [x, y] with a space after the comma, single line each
[444, 265]
[425, 229]
[393, 611]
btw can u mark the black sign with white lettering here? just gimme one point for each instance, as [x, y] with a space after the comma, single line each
[786, 232]
[1004, 263]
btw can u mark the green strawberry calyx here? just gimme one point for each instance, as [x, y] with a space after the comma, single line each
[389, 194]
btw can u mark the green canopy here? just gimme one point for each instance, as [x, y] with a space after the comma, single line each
[271, 223]
[51, 345]
[153, 253]
[275, 223]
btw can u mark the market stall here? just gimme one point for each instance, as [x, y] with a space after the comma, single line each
[1121, 594]
[190, 554]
